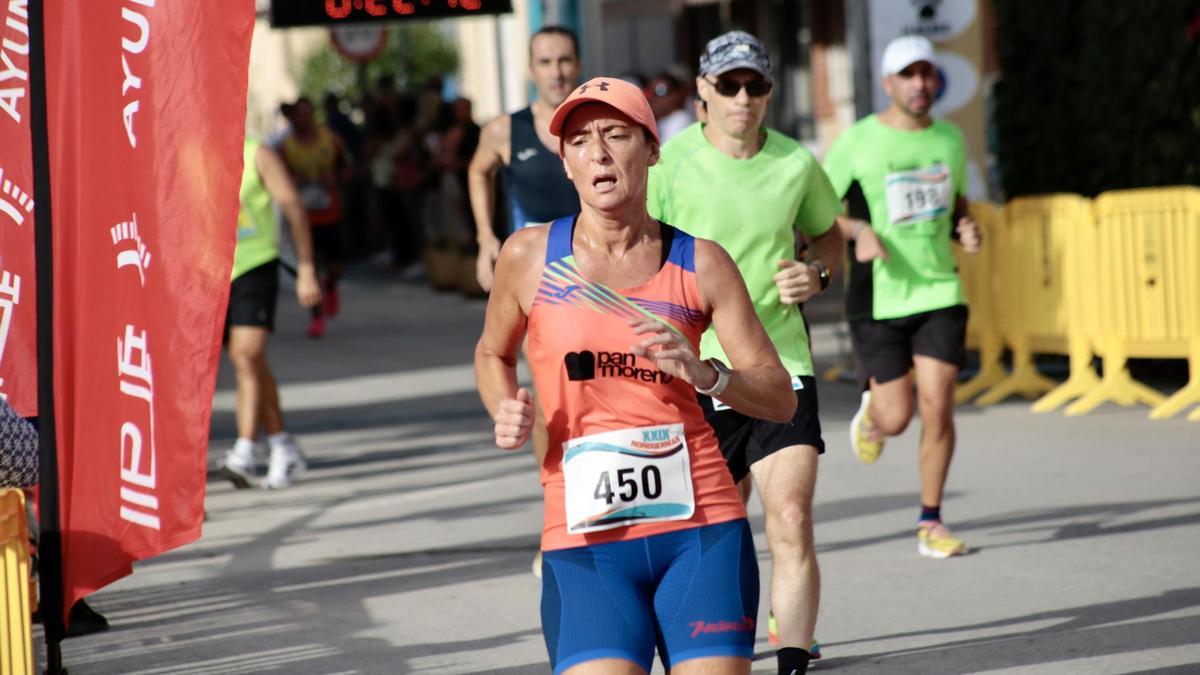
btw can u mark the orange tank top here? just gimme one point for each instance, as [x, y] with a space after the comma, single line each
[630, 452]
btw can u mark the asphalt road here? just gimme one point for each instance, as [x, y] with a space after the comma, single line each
[406, 548]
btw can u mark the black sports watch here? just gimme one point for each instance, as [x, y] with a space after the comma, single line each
[822, 273]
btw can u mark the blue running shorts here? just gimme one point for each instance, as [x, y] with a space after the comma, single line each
[692, 593]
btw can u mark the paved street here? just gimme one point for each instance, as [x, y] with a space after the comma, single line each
[407, 546]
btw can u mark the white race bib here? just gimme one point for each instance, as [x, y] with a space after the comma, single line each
[625, 477]
[918, 195]
[314, 197]
[719, 405]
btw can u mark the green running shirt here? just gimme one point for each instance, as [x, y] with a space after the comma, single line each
[753, 208]
[911, 180]
[256, 242]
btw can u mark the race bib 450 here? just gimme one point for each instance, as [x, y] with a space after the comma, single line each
[629, 476]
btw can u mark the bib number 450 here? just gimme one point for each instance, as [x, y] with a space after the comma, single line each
[628, 484]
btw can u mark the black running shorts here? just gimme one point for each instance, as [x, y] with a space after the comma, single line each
[252, 297]
[885, 347]
[327, 243]
[744, 440]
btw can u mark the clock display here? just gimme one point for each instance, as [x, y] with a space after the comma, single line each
[288, 13]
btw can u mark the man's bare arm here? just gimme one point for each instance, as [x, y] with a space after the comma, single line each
[491, 154]
[283, 192]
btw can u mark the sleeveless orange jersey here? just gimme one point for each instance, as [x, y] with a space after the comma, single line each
[630, 453]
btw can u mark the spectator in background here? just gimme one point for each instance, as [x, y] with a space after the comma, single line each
[18, 449]
[283, 126]
[669, 101]
[341, 124]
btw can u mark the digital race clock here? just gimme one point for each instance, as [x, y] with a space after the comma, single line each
[287, 13]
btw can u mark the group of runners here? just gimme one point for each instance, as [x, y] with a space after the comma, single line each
[662, 317]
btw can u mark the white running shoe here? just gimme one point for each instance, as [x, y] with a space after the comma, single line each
[239, 468]
[287, 462]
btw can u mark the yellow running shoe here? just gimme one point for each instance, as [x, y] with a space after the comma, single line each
[934, 540]
[814, 650]
[864, 448]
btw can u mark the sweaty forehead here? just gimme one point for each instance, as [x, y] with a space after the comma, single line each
[588, 113]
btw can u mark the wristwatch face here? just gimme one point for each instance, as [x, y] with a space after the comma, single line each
[823, 275]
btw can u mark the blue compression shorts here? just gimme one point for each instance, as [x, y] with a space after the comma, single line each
[692, 593]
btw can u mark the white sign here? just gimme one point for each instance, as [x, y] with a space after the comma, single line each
[359, 42]
[938, 20]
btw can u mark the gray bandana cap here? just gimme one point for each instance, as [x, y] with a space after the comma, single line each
[733, 50]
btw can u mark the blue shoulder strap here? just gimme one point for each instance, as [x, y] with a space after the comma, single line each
[683, 249]
[558, 243]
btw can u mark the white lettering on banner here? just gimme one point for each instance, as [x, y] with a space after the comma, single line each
[134, 254]
[139, 504]
[14, 58]
[135, 46]
[10, 297]
[13, 200]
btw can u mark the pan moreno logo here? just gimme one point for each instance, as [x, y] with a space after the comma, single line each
[587, 365]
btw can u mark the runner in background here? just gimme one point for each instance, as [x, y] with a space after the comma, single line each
[315, 157]
[522, 143]
[904, 300]
[755, 191]
[251, 315]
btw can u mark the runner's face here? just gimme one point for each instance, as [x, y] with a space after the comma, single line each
[740, 115]
[912, 89]
[607, 156]
[554, 67]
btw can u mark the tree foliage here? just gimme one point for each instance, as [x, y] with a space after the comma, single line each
[1098, 95]
[414, 52]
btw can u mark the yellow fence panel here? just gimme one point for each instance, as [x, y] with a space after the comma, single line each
[977, 272]
[1148, 274]
[1034, 249]
[16, 653]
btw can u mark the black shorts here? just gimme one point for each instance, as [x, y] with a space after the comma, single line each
[885, 347]
[327, 243]
[252, 298]
[744, 440]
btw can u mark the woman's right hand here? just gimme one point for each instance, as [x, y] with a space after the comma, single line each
[514, 420]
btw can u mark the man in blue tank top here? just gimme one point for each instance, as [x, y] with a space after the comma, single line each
[521, 143]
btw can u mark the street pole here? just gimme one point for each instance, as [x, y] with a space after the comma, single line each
[50, 539]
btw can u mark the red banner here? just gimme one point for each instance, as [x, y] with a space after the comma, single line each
[18, 311]
[147, 103]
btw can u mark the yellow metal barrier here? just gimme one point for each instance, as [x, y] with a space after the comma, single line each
[1148, 275]
[983, 329]
[16, 653]
[1033, 246]
[1073, 245]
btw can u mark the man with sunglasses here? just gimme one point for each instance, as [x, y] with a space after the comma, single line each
[904, 300]
[752, 189]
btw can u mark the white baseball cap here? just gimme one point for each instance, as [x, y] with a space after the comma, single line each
[905, 51]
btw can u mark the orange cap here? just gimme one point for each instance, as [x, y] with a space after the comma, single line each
[611, 91]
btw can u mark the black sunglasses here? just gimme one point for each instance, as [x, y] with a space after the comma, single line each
[730, 88]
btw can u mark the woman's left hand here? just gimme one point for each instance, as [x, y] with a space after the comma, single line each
[671, 353]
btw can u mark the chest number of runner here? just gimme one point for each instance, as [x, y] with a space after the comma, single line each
[627, 483]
